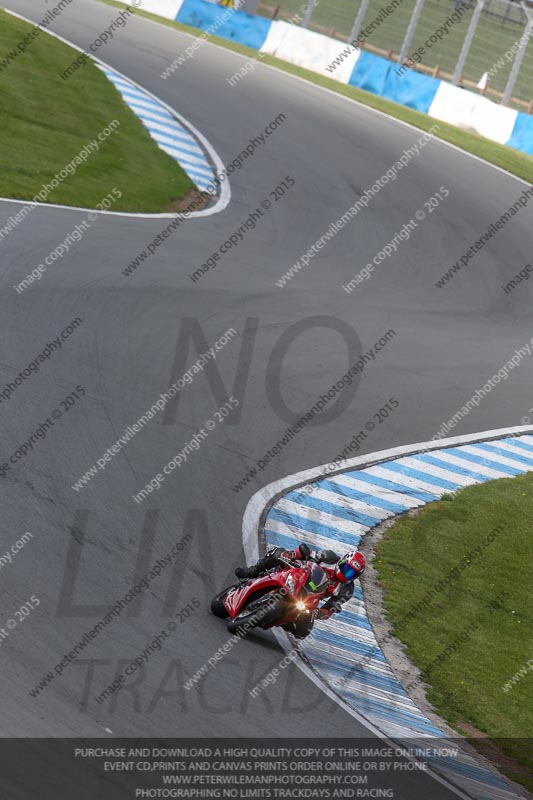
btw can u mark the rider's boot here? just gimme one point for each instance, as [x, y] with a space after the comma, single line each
[267, 562]
[245, 573]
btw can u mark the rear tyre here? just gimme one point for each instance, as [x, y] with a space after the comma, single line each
[259, 614]
[217, 604]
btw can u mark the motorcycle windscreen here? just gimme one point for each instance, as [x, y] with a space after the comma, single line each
[317, 581]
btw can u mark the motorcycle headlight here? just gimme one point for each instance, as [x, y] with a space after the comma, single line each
[289, 582]
[301, 606]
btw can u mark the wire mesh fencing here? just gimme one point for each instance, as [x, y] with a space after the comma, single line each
[483, 45]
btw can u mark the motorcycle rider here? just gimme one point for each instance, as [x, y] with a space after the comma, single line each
[347, 569]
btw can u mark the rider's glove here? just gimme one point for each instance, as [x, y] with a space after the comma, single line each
[303, 551]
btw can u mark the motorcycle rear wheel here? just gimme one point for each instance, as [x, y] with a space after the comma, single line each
[257, 615]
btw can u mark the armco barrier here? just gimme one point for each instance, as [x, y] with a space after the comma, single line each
[225, 22]
[522, 138]
[308, 49]
[374, 74]
[377, 75]
[473, 112]
[169, 9]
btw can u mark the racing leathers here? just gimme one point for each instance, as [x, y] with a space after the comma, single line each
[337, 593]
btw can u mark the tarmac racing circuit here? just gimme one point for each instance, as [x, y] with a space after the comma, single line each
[140, 332]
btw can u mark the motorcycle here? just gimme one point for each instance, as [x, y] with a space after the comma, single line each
[286, 596]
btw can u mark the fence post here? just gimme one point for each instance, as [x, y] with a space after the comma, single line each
[517, 63]
[308, 13]
[468, 42]
[359, 19]
[406, 44]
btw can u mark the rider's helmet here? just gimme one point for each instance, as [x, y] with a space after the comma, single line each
[350, 566]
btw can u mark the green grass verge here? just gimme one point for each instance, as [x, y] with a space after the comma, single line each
[46, 121]
[513, 161]
[467, 685]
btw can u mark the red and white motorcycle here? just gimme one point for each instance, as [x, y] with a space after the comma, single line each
[287, 597]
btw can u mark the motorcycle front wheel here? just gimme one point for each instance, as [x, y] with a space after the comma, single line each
[217, 604]
[259, 613]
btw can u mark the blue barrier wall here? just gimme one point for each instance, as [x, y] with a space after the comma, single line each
[238, 27]
[377, 75]
[522, 136]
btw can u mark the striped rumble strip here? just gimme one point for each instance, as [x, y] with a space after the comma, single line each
[170, 135]
[343, 651]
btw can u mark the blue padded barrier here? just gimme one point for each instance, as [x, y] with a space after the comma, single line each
[238, 27]
[377, 75]
[522, 136]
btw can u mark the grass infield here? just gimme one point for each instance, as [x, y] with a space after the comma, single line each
[46, 122]
[473, 639]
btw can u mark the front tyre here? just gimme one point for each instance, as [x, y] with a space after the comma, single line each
[301, 626]
[258, 614]
[217, 604]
